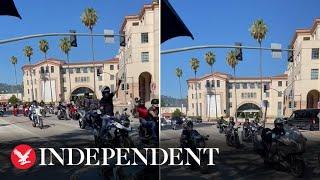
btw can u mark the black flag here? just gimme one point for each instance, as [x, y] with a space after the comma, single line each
[8, 8]
[171, 24]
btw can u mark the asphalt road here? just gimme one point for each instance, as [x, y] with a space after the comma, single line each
[56, 133]
[235, 163]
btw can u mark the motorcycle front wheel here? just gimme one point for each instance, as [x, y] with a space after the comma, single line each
[40, 123]
[297, 166]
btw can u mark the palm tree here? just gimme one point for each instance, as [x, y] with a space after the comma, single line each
[14, 61]
[28, 52]
[232, 62]
[65, 47]
[194, 62]
[179, 75]
[210, 58]
[89, 18]
[44, 47]
[258, 31]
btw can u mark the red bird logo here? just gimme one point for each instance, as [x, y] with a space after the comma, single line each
[23, 156]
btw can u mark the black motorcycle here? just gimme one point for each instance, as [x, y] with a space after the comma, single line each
[232, 137]
[197, 141]
[62, 113]
[247, 133]
[285, 152]
[115, 133]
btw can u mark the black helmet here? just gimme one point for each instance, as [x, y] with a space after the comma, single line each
[141, 102]
[155, 101]
[278, 121]
[105, 90]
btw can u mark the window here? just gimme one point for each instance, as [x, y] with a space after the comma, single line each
[279, 94]
[192, 106]
[315, 53]
[111, 77]
[259, 85]
[36, 92]
[63, 71]
[99, 78]
[286, 83]
[63, 80]
[64, 89]
[212, 83]
[42, 70]
[244, 85]
[27, 73]
[47, 69]
[230, 104]
[230, 86]
[199, 85]
[252, 86]
[267, 94]
[28, 91]
[144, 56]
[100, 87]
[77, 70]
[191, 96]
[52, 69]
[144, 38]
[71, 71]
[237, 85]
[27, 82]
[306, 38]
[230, 95]
[112, 87]
[85, 70]
[207, 83]
[34, 72]
[111, 67]
[135, 24]
[314, 74]
[91, 69]
[218, 83]
[279, 83]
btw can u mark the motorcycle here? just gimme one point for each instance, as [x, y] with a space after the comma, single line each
[62, 113]
[285, 152]
[1, 112]
[223, 128]
[73, 113]
[51, 110]
[36, 117]
[232, 137]
[26, 111]
[197, 141]
[247, 132]
[112, 132]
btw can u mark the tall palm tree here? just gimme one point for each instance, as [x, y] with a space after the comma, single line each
[232, 62]
[44, 47]
[194, 62]
[65, 47]
[258, 31]
[210, 58]
[28, 52]
[14, 61]
[179, 75]
[89, 18]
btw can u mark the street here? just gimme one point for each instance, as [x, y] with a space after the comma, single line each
[234, 163]
[56, 133]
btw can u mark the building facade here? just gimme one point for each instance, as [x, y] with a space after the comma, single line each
[139, 58]
[219, 88]
[53, 74]
[303, 73]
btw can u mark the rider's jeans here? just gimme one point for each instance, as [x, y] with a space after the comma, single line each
[151, 125]
[105, 124]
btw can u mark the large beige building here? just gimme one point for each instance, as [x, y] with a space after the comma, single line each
[139, 58]
[220, 88]
[55, 74]
[303, 73]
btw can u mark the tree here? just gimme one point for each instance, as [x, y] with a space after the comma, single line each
[179, 75]
[89, 18]
[176, 113]
[258, 31]
[65, 47]
[14, 61]
[28, 52]
[44, 47]
[232, 62]
[210, 58]
[194, 62]
[13, 100]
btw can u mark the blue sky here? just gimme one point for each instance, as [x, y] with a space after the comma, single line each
[226, 22]
[40, 16]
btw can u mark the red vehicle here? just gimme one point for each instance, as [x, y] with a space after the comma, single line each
[15, 110]
[25, 110]
[73, 112]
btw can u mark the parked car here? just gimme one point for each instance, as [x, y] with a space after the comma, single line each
[305, 119]
[197, 120]
[176, 121]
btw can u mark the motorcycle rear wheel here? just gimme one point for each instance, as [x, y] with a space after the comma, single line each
[297, 167]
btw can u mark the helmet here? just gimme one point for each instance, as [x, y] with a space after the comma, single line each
[86, 94]
[141, 102]
[155, 101]
[189, 124]
[105, 90]
[278, 121]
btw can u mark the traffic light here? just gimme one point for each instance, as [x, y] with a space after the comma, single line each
[122, 40]
[238, 51]
[99, 72]
[290, 54]
[73, 39]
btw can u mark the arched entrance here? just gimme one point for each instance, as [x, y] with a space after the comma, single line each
[248, 110]
[313, 99]
[144, 85]
[79, 92]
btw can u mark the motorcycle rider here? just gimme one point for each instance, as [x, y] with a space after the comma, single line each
[146, 118]
[246, 125]
[220, 121]
[153, 113]
[185, 140]
[278, 129]
[32, 108]
[271, 136]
